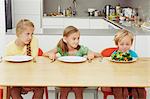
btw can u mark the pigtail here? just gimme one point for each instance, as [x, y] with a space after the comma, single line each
[61, 44]
[28, 49]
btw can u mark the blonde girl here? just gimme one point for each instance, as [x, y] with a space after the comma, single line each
[24, 44]
[69, 46]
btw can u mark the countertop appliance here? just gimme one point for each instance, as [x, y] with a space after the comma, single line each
[127, 12]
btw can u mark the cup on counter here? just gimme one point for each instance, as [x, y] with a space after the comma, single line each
[96, 13]
[122, 18]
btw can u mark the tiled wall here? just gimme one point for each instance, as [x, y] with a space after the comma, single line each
[82, 5]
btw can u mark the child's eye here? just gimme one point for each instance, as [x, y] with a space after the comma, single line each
[74, 38]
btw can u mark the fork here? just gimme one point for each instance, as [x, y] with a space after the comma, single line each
[89, 60]
[53, 60]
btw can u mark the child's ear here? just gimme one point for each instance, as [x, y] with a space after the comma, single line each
[64, 39]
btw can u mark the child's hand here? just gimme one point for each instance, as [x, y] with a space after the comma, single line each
[90, 55]
[52, 56]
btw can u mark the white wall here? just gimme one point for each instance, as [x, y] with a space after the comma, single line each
[2, 26]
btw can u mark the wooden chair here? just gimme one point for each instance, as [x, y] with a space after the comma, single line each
[87, 89]
[107, 90]
[40, 53]
[1, 93]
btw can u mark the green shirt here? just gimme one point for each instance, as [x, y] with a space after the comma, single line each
[81, 52]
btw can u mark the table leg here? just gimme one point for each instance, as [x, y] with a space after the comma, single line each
[4, 91]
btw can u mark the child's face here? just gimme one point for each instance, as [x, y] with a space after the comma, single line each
[26, 35]
[125, 44]
[73, 40]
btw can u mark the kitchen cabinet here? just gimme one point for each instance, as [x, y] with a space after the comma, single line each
[2, 17]
[98, 24]
[81, 23]
[142, 45]
[97, 43]
[30, 9]
[52, 22]
[61, 23]
[111, 26]
[48, 42]
[77, 22]
[101, 24]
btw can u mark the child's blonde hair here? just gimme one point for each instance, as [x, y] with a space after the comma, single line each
[20, 27]
[121, 34]
[68, 31]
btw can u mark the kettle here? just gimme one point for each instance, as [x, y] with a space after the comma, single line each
[106, 10]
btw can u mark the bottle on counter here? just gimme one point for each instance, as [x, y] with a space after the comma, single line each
[118, 10]
[59, 9]
[64, 12]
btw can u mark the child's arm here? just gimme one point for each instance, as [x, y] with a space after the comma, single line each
[97, 55]
[51, 54]
[91, 55]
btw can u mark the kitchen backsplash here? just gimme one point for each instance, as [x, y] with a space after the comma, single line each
[82, 5]
[143, 7]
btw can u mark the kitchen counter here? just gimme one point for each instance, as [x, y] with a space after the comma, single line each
[91, 32]
[87, 32]
[81, 17]
[130, 26]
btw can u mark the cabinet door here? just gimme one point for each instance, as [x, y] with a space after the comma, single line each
[77, 22]
[111, 26]
[49, 22]
[30, 9]
[34, 18]
[97, 43]
[48, 42]
[2, 18]
[98, 24]
[27, 6]
[142, 46]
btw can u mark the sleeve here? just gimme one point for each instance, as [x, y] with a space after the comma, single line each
[9, 49]
[133, 54]
[34, 46]
[84, 50]
[59, 51]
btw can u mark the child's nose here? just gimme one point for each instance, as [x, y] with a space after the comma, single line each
[30, 37]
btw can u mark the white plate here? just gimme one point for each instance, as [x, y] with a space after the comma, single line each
[133, 60]
[72, 59]
[18, 58]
